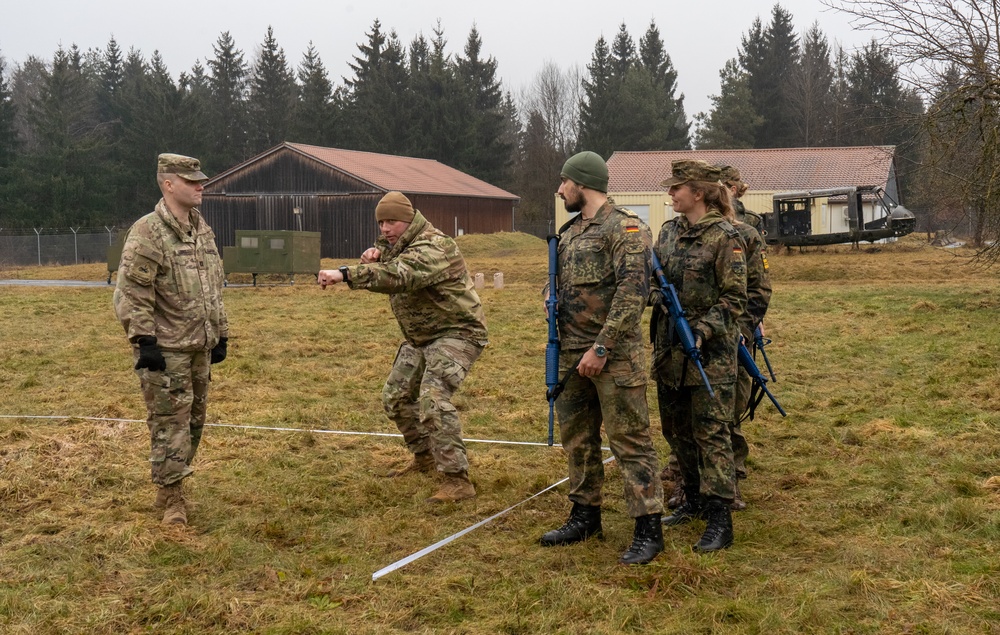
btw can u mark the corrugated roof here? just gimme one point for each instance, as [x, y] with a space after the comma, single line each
[406, 174]
[773, 169]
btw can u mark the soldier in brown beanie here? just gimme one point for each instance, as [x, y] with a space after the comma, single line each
[444, 328]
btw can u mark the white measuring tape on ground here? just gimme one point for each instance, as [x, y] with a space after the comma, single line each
[399, 563]
[426, 550]
[276, 429]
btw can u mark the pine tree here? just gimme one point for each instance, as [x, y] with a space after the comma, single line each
[273, 96]
[811, 91]
[770, 57]
[732, 123]
[375, 112]
[196, 116]
[229, 112]
[598, 100]
[8, 112]
[313, 119]
[671, 130]
[440, 104]
[487, 153]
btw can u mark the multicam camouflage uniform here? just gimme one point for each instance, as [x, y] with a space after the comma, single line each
[442, 319]
[170, 287]
[758, 298]
[705, 264]
[603, 283]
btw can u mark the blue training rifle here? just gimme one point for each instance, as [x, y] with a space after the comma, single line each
[678, 320]
[552, 383]
[759, 381]
[760, 342]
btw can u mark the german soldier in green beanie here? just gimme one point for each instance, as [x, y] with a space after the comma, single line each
[603, 281]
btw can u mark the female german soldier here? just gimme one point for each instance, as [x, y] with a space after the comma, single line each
[702, 257]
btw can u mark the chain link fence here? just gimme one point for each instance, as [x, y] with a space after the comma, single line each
[59, 246]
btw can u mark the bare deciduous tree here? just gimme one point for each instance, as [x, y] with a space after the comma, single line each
[949, 51]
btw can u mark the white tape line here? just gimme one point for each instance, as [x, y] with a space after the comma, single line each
[426, 550]
[344, 432]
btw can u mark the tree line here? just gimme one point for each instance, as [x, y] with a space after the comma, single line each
[80, 132]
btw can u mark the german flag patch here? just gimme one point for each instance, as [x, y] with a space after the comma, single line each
[631, 229]
[738, 251]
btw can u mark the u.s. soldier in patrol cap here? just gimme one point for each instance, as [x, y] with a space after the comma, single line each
[602, 284]
[169, 300]
[702, 256]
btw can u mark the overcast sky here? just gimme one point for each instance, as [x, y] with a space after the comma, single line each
[699, 35]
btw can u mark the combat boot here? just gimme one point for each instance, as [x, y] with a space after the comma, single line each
[175, 511]
[161, 498]
[738, 503]
[455, 487]
[692, 507]
[421, 462]
[647, 541]
[719, 531]
[584, 522]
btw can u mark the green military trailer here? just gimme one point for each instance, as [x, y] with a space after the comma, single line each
[273, 251]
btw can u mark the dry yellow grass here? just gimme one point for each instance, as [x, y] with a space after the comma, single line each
[874, 507]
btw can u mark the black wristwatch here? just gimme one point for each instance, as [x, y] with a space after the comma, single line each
[344, 271]
[599, 350]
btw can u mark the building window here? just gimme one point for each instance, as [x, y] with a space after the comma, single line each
[277, 243]
[249, 242]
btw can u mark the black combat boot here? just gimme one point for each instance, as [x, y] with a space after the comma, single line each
[692, 507]
[719, 531]
[584, 522]
[647, 541]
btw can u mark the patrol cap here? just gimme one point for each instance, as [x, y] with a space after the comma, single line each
[588, 169]
[188, 168]
[395, 206]
[686, 170]
[730, 174]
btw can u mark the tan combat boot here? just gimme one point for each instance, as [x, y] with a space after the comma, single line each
[422, 462]
[175, 511]
[161, 498]
[455, 487]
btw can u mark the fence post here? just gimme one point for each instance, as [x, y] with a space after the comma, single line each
[38, 236]
[109, 230]
[76, 251]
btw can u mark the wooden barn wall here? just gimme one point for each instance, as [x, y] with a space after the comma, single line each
[346, 223]
[471, 215]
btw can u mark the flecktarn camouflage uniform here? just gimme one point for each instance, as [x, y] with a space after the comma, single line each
[603, 282]
[706, 265]
[170, 287]
[758, 298]
[442, 320]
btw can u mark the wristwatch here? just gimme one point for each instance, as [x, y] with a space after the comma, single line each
[344, 271]
[599, 350]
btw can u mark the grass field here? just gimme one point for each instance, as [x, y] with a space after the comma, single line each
[874, 507]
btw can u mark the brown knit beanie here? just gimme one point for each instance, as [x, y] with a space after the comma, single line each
[394, 206]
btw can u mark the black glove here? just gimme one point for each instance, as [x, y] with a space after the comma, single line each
[150, 355]
[219, 352]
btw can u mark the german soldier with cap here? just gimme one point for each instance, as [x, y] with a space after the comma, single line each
[751, 228]
[702, 256]
[169, 300]
[603, 283]
[444, 331]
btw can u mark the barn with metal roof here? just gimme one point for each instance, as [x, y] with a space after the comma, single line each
[334, 192]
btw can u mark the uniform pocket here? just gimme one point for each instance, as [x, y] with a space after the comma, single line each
[631, 380]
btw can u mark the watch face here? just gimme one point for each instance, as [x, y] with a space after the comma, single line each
[601, 351]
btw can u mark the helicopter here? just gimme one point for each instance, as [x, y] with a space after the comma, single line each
[794, 217]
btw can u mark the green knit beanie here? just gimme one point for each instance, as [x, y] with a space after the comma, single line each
[588, 169]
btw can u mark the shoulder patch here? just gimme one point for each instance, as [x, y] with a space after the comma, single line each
[730, 231]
